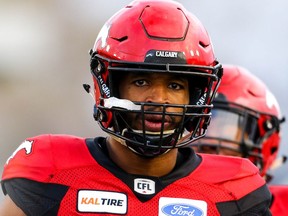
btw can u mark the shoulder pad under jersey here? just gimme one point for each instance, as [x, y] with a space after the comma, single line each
[37, 158]
[236, 174]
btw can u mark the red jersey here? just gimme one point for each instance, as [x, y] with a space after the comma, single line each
[280, 199]
[67, 175]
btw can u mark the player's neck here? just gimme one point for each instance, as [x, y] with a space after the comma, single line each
[134, 164]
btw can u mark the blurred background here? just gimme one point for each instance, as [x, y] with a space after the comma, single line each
[44, 60]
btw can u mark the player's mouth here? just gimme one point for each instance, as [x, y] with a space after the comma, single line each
[155, 123]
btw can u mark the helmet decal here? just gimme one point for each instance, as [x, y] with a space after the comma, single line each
[103, 85]
[271, 101]
[103, 35]
[163, 56]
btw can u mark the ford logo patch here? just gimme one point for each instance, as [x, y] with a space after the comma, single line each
[181, 209]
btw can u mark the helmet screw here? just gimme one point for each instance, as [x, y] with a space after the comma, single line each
[268, 125]
[99, 67]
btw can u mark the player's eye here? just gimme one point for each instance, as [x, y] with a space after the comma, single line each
[141, 82]
[175, 86]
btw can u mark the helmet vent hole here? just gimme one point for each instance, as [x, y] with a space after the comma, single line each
[202, 44]
[273, 150]
[121, 39]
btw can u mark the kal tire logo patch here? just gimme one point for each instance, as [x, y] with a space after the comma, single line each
[92, 201]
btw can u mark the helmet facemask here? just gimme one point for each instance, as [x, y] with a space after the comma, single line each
[114, 114]
[239, 131]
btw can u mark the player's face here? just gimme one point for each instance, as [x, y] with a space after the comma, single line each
[155, 88]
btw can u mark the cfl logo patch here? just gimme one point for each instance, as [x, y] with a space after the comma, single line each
[144, 186]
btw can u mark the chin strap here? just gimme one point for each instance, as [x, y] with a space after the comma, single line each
[136, 149]
[144, 151]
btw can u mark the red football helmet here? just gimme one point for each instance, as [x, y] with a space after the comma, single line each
[153, 37]
[245, 119]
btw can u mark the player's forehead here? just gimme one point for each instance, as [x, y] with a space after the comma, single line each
[154, 75]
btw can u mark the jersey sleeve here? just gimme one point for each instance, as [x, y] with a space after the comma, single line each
[28, 171]
[35, 198]
[240, 178]
[256, 202]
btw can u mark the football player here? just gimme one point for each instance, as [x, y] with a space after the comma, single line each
[246, 121]
[155, 75]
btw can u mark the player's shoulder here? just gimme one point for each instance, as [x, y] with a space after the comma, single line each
[37, 157]
[229, 172]
[229, 166]
[46, 145]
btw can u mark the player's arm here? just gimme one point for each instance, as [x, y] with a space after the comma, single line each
[9, 208]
